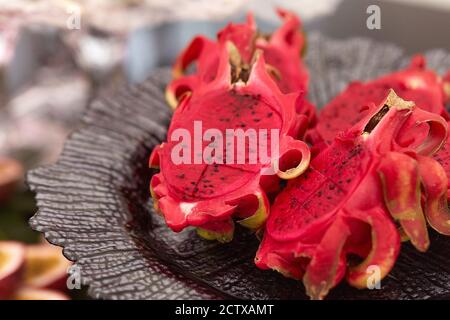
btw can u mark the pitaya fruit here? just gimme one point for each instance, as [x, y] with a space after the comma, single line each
[443, 157]
[210, 192]
[348, 202]
[424, 87]
[282, 53]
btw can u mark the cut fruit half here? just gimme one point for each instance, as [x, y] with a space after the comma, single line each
[12, 258]
[39, 294]
[45, 267]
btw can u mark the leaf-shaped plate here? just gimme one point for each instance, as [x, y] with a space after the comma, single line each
[95, 202]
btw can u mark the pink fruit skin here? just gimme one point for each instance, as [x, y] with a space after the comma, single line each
[281, 51]
[11, 281]
[59, 284]
[348, 199]
[198, 194]
[416, 83]
[9, 284]
[443, 157]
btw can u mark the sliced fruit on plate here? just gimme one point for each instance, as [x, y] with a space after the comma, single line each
[45, 267]
[416, 83]
[11, 172]
[39, 294]
[342, 216]
[217, 181]
[12, 257]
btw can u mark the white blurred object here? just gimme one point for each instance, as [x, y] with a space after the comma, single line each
[118, 16]
[69, 94]
[36, 138]
[35, 123]
[306, 9]
[97, 53]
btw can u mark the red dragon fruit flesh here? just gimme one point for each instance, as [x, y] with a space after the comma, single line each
[416, 83]
[208, 188]
[350, 200]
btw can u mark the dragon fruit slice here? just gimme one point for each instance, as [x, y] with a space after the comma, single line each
[416, 83]
[347, 202]
[282, 53]
[209, 190]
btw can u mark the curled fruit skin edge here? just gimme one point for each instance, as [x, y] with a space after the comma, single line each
[352, 195]
[211, 196]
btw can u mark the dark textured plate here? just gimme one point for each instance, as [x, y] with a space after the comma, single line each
[94, 201]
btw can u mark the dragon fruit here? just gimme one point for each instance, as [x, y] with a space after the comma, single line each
[211, 192]
[416, 83]
[281, 52]
[339, 218]
[443, 157]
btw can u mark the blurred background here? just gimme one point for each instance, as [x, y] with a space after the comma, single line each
[57, 55]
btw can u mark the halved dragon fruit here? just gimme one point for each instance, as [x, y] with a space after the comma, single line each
[424, 87]
[282, 53]
[348, 202]
[12, 258]
[416, 83]
[212, 179]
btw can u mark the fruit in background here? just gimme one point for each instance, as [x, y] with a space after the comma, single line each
[416, 83]
[45, 267]
[355, 191]
[39, 294]
[281, 51]
[210, 193]
[12, 259]
[11, 173]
